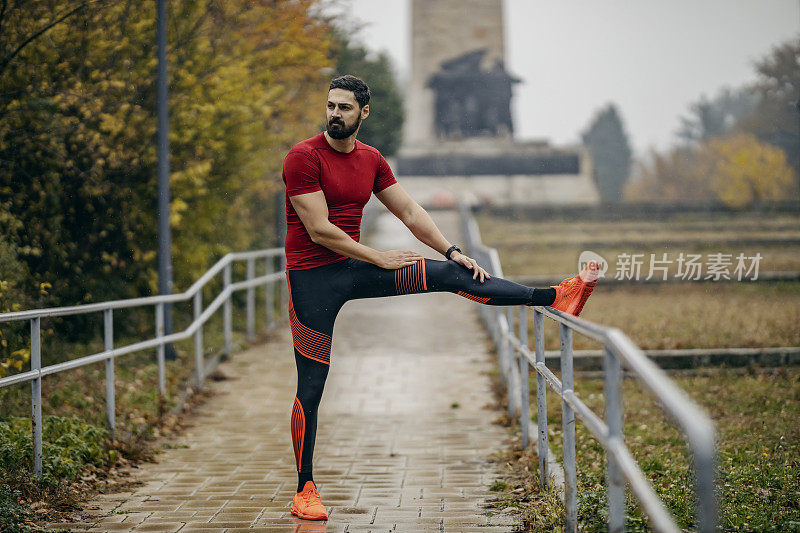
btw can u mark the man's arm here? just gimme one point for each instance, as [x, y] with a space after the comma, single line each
[422, 225]
[313, 212]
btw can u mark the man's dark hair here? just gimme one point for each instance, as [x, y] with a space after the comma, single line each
[357, 86]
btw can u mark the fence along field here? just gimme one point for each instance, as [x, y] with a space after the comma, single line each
[755, 409]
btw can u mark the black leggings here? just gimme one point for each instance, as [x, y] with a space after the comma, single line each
[317, 294]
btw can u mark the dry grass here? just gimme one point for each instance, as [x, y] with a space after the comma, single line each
[712, 228]
[705, 315]
[562, 260]
[552, 248]
[669, 316]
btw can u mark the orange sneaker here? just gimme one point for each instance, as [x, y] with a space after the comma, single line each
[307, 505]
[572, 293]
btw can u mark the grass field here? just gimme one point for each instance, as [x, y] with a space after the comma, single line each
[712, 227]
[756, 418]
[694, 315]
[756, 413]
[552, 248]
[705, 314]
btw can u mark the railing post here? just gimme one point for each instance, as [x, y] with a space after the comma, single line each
[226, 310]
[614, 480]
[251, 301]
[199, 364]
[705, 466]
[162, 378]
[269, 297]
[500, 345]
[511, 366]
[541, 398]
[36, 394]
[568, 428]
[524, 406]
[108, 323]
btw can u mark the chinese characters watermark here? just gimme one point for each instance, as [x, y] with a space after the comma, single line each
[687, 266]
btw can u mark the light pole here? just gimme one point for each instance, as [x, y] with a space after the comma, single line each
[164, 235]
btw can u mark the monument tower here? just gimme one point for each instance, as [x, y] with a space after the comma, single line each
[451, 41]
[458, 133]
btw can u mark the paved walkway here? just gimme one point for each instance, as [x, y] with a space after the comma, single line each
[403, 437]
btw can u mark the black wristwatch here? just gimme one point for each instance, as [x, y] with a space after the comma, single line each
[450, 251]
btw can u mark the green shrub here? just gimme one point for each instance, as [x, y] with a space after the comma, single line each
[69, 446]
[12, 513]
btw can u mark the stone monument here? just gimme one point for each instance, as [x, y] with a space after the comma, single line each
[458, 134]
[470, 102]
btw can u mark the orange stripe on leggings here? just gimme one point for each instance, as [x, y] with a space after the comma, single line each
[309, 343]
[474, 298]
[298, 430]
[411, 278]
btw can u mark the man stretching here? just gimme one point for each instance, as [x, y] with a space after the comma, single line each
[329, 178]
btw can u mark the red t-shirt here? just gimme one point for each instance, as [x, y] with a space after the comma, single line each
[347, 180]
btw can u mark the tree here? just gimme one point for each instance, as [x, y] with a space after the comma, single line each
[672, 176]
[726, 153]
[744, 171]
[14, 341]
[775, 118]
[77, 128]
[717, 117]
[383, 127]
[21, 27]
[738, 170]
[608, 144]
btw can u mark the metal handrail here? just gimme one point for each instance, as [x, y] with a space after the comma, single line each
[268, 280]
[516, 359]
[148, 300]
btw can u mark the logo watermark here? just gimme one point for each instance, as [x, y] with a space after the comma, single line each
[686, 266]
[588, 255]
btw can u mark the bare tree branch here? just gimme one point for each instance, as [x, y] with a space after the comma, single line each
[6, 60]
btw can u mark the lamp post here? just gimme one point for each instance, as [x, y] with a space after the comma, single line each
[164, 235]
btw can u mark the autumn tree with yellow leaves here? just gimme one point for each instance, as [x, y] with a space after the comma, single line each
[740, 148]
[77, 133]
[744, 171]
[737, 170]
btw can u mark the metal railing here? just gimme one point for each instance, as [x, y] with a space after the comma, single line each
[516, 360]
[271, 279]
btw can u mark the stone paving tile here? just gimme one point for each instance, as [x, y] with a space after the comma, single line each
[391, 455]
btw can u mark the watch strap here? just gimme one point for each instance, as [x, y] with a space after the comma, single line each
[450, 250]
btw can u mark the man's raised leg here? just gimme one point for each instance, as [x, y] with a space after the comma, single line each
[430, 275]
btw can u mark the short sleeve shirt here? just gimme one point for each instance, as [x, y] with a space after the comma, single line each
[346, 179]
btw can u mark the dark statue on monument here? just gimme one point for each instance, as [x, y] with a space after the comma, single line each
[471, 102]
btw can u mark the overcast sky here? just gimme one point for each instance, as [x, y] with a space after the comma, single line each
[652, 58]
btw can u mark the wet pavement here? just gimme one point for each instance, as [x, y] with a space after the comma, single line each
[405, 429]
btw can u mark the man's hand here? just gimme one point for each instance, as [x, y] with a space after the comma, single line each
[471, 264]
[394, 259]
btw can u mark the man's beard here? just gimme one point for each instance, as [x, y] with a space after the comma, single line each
[342, 132]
